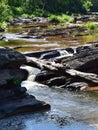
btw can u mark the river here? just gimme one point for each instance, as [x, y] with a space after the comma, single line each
[69, 110]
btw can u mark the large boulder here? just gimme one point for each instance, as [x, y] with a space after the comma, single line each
[8, 57]
[14, 99]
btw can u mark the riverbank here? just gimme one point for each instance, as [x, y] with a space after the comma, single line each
[40, 34]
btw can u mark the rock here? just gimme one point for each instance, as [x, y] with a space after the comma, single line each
[10, 58]
[76, 72]
[86, 60]
[77, 86]
[7, 75]
[23, 104]
[14, 99]
[2, 37]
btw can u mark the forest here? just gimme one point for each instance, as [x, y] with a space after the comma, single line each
[44, 8]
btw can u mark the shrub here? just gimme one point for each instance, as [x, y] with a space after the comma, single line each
[32, 16]
[90, 26]
[61, 19]
[3, 26]
[18, 11]
[24, 15]
[55, 19]
[67, 18]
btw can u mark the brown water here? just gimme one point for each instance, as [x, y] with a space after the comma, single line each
[69, 110]
[35, 44]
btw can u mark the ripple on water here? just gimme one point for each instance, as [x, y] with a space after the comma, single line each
[79, 109]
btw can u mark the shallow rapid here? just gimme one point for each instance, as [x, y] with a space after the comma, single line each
[69, 110]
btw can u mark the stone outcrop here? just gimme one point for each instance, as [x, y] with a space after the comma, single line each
[75, 70]
[14, 99]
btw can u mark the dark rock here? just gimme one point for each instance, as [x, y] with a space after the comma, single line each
[13, 97]
[76, 72]
[44, 76]
[6, 93]
[8, 57]
[8, 76]
[70, 50]
[2, 37]
[77, 86]
[50, 55]
[24, 104]
[56, 81]
[87, 47]
[85, 61]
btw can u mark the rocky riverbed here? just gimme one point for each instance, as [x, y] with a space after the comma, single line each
[69, 110]
[13, 97]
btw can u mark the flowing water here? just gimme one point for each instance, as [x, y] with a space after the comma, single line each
[69, 110]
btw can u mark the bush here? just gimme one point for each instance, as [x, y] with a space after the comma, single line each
[90, 26]
[3, 26]
[61, 19]
[55, 19]
[18, 11]
[32, 16]
[38, 12]
[67, 18]
[24, 15]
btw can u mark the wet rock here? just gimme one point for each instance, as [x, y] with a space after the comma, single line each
[20, 21]
[56, 81]
[7, 75]
[86, 60]
[26, 103]
[75, 72]
[8, 57]
[40, 20]
[14, 99]
[2, 37]
[44, 76]
[77, 86]
[50, 54]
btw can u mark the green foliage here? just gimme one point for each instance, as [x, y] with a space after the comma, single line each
[94, 8]
[3, 25]
[38, 12]
[13, 8]
[90, 26]
[61, 18]
[24, 15]
[55, 19]
[16, 81]
[5, 14]
[32, 16]
[67, 18]
[87, 5]
[17, 11]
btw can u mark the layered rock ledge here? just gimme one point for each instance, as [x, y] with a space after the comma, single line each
[14, 99]
[69, 68]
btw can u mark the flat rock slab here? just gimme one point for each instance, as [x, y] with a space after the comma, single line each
[24, 104]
